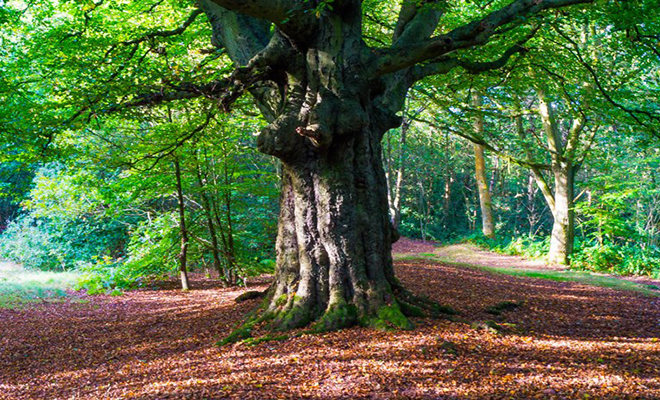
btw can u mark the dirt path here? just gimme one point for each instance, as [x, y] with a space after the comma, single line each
[471, 254]
[565, 341]
[466, 253]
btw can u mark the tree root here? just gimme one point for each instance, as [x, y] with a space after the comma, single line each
[420, 306]
[338, 316]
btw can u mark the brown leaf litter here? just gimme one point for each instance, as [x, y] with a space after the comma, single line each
[565, 340]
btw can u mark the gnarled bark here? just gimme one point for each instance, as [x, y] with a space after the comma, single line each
[334, 265]
[329, 99]
[334, 240]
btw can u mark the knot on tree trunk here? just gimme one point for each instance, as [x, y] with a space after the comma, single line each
[320, 137]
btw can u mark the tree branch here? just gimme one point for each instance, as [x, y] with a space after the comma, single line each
[470, 35]
[290, 16]
[152, 35]
[445, 65]
[634, 113]
[480, 141]
[226, 90]
[417, 21]
[166, 151]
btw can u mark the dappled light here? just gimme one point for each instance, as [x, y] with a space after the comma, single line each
[329, 199]
[565, 340]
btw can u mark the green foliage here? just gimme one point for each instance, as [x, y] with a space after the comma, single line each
[29, 243]
[107, 206]
[153, 247]
[621, 205]
[618, 259]
[524, 245]
[42, 244]
[63, 222]
[151, 255]
[435, 202]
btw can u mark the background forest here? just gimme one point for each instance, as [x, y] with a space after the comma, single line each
[560, 142]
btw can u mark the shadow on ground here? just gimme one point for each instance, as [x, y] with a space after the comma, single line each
[565, 341]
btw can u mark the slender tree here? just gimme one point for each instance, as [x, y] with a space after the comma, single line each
[485, 204]
[395, 176]
[183, 255]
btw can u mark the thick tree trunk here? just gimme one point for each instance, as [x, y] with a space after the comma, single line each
[563, 228]
[334, 264]
[334, 241]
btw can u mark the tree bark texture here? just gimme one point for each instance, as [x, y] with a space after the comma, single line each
[334, 239]
[334, 264]
[485, 203]
[329, 99]
[563, 227]
[183, 255]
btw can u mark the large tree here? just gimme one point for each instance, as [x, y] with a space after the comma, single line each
[336, 98]
[330, 83]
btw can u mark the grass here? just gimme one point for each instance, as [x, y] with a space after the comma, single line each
[19, 287]
[586, 278]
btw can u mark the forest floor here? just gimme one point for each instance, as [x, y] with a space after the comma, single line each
[550, 340]
[469, 255]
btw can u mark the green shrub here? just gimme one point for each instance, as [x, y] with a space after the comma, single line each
[526, 245]
[151, 255]
[27, 242]
[617, 259]
[47, 245]
[111, 277]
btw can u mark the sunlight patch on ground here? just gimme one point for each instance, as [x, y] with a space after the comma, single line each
[19, 286]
